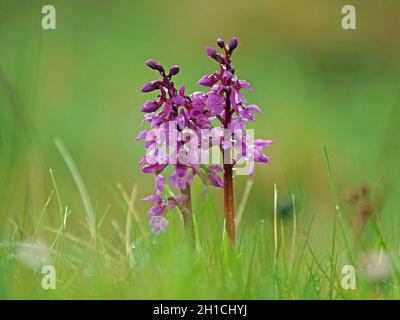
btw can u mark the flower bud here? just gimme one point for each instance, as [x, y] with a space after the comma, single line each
[220, 43]
[174, 70]
[147, 87]
[149, 106]
[233, 44]
[150, 86]
[154, 65]
[211, 52]
[219, 58]
[208, 80]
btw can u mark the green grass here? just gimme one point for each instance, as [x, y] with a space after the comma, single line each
[76, 203]
[267, 263]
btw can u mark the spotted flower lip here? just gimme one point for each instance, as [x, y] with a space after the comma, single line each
[158, 224]
[181, 177]
[161, 204]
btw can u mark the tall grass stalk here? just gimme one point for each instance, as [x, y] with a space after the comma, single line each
[243, 202]
[337, 206]
[294, 232]
[90, 215]
[275, 225]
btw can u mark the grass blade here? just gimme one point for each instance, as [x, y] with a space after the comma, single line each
[336, 202]
[90, 216]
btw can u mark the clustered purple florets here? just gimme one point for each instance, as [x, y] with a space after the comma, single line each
[227, 103]
[196, 112]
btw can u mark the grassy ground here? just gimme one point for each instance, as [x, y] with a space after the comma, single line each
[70, 185]
[274, 258]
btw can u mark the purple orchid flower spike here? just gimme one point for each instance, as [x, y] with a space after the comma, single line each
[170, 114]
[175, 138]
[227, 103]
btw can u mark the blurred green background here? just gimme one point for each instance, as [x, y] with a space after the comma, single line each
[317, 84]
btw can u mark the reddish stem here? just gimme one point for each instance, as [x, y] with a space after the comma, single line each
[228, 180]
[228, 203]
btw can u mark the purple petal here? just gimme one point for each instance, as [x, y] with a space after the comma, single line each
[214, 168]
[245, 114]
[158, 224]
[216, 103]
[232, 99]
[181, 177]
[149, 106]
[179, 101]
[254, 108]
[141, 135]
[154, 168]
[156, 120]
[208, 80]
[182, 90]
[153, 198]
[198, 104]
[228, 75]
[149, 169]
[213, 178]
[239, 97]
[245, 84]
[260, 143]
[259, 157]
[251, 168]
[180, 120]
[149, 86]
[156, 210]
[171, 203]
[181, 197]
[143, 160]
[216, 181]
[160, 183]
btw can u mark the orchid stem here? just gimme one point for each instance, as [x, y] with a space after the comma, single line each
[228, 203]
[228, 180]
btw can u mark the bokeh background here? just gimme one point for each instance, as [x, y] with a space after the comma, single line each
[317, 84]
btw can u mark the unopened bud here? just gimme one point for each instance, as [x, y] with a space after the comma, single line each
[154, 65]
[233, 44]
[220, 43]
[211, 52]
[174, 70]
